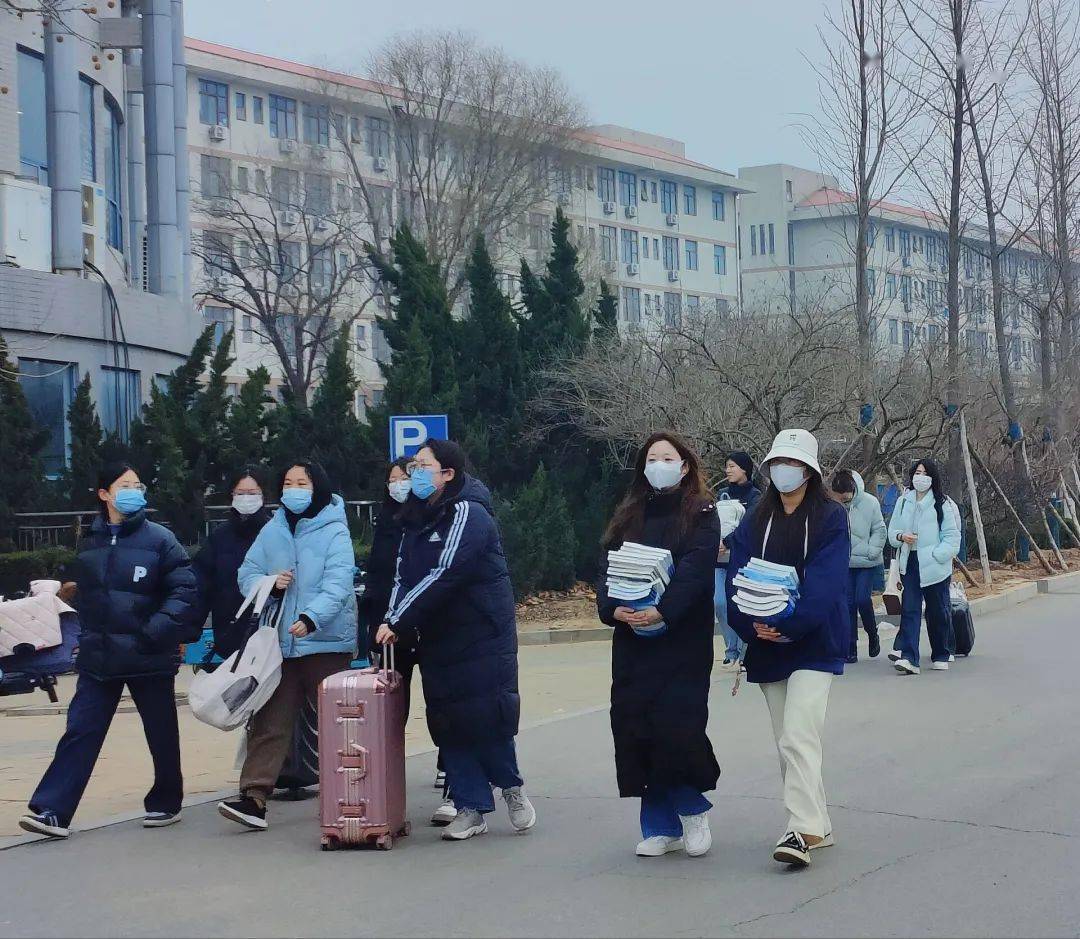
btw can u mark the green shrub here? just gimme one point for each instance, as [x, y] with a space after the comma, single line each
[18, 568]
[538, 537]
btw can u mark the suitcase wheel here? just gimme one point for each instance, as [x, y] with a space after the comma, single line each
[385, 842]
[330, 844]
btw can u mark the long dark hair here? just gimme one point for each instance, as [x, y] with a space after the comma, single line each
[935, 486]
[814, 502]
[629, 516]
[109, 474]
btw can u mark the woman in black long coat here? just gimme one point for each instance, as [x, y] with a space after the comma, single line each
[662, 655]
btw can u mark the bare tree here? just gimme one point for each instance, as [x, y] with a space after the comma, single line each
[289, 259]
[476, 139]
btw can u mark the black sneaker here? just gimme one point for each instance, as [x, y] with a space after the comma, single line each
[160, 819]
[44, 823]
[875, 645]
[792, 849]
[851, 659]
[246, 811]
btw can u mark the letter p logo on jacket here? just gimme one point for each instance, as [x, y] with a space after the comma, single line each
[139, 574]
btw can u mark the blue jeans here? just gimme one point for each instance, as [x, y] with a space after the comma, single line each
[471, 771]
[736, 648]
[89, 716]
[861, 603]
[938, 616]
[661, 808]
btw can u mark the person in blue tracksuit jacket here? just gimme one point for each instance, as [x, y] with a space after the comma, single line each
[138, 601]
[452, 596]
[306, 545]
[795, 656]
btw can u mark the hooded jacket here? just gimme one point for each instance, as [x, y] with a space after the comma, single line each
[452, 595]
[137, 600]
[867, 527]
[937, 545]
[320, 553]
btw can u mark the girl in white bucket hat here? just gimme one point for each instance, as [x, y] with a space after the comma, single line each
[795, 655]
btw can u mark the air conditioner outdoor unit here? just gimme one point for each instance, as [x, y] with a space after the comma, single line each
[287, 145]
[380, 164]
[89, 247]
[25, 223]
[609, 208]
[288, 217]
[217, 132]
[631, 211]
[672, 218]
[93, 219]
[673, 276]
[631, 268]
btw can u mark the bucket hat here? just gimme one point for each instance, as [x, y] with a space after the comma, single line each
[795, 445]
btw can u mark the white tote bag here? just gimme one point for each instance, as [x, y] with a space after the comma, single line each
[228, 696]
[894, 587]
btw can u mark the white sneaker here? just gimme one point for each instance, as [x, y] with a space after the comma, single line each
[522, 813]
[894, 656]
[658, 846]
[939, 666]
[444, 814]
[904, 667]
[468, 824]
[697, 838]
[952, 658]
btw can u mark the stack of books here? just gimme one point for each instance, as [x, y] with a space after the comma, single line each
[766, 589]
[637, 576]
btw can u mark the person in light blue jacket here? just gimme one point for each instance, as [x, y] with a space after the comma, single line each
[867, 527]
[924, 528]
[306, 546]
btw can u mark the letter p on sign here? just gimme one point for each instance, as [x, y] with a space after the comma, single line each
[408, 432]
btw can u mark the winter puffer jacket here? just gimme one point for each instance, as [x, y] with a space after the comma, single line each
[867, 527]
[453, 592]
[937, 545]
[320, 553]
[137, 600]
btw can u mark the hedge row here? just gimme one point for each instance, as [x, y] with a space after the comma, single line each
[18, 568]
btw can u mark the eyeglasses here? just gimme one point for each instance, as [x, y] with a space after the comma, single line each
[413, 467]
[138, 486]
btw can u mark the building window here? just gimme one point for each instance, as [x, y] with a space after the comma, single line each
[378, 137]
[627, 188]
[909, 336]
[788, 195]
[114, 176]
[215, 176]
[260, 182]
[317, 194]
[693, 307]
[316, 124]
[905, 292]
[669, 197]
[753, 240]
[242, 179]
[890, 286]
[890, 239]
[645, 246]
[322, 274]
[630, 246]
[283, 117]
[286, 188]
[672, 310]
[691, 255]
[772, 239]
[257, 109]
[607, 243]
[632, 305]
[671, 253]
[605, 184]
[288, 262]
[119, 398]
[240, 106]
[539, 231]
[217, 253]
[894, 332]
[871, 281]
[689, 200]
[247, 331]
[719, 259]
[33, 151]
[213, 102]
[935, 333]
[86, 129]
[905, 247]
[871, 234]
[718, 211]
[360, 336]
[221, 318]
[643, 191]
[761, 237]
[49, 388]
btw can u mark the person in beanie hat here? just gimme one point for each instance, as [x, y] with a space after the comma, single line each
[739, 472]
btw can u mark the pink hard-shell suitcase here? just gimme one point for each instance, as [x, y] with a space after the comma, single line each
[362, 758]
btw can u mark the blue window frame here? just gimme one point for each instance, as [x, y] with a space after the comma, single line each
[316, 124]
[630, 246]
[671, 253]
[718, 210]
[114, 175]
[691, 254]
[753, 240]
[719, 259]
[605, 184]
[283, 117]
[87, 131]
[119, 399]
[689, 200]
[894, 332]
[213, 102]
[240, 106]
[49, 388]
[890, 239]
[645, 246]
[33, 151]
[257, 109]
[632, 304]
[772, 239]
[627, 188]
[669, 197]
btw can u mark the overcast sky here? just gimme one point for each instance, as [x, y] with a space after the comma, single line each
[728, 77]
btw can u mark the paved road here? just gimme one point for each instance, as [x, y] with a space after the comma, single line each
[956, 800]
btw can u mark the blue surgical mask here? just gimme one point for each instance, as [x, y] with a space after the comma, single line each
[295, 499]
[130, 501]
[787, 478]
[423, 482]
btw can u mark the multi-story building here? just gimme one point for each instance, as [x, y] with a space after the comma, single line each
[93, 206]
[797, 237]
[660, 228]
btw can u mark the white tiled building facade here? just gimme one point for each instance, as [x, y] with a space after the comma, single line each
[797, 237]
[660, 228]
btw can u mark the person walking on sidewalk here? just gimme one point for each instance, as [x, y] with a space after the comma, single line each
[795, 657]
[867, 527]
[306, 544]
[739, 471]
[137, 601]
[453, 599]
[925, 530]
[660, 683]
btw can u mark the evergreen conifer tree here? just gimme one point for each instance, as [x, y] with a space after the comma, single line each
[80, 478]
[21, 443]
[606, 314]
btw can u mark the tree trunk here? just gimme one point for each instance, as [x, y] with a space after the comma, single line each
[952, 388]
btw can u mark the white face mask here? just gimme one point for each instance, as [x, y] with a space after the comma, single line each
[787, 478]
[247, 504]
[663, 475]
[921, 482]
[400, 490]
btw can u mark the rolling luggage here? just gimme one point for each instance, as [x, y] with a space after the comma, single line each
[362, 758]
[963, 628]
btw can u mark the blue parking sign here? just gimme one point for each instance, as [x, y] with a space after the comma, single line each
[408, 432]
